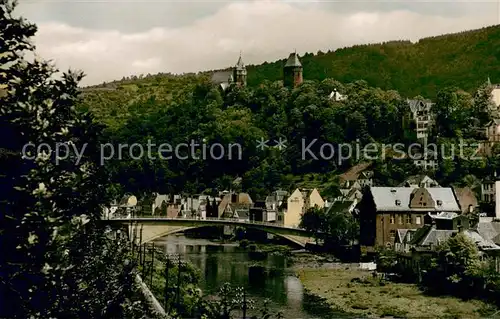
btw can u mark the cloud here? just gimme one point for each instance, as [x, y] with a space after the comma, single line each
[264, 30]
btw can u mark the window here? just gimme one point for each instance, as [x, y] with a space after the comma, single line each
[418, 220]
[400, 219]
[392, 218]
[408, 219]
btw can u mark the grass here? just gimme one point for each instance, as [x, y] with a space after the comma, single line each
[355, 291]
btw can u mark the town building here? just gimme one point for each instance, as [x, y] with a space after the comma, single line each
[419, 118]
[437, 230]
[297, 204]
[235, 206]
[354, 181]
[275, 203]
[384, 210]
[336, 96]
[488, 189]
[492, 129]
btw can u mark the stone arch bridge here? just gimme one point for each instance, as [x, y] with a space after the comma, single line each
[157, 227]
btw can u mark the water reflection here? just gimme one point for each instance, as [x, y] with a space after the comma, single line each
[264, 276]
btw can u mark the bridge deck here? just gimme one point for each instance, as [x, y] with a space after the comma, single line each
[156, 227]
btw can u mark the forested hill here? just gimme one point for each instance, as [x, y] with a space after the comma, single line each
[463, 59]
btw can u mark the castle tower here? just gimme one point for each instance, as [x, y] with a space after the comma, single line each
[240, 73]
[292, 72]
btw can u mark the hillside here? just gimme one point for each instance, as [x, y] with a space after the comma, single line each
[464, 60]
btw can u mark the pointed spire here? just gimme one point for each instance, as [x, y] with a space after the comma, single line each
[489, 81]
[240, 65]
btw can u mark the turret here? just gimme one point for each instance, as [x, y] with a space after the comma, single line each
[292, 72]
[240, 73]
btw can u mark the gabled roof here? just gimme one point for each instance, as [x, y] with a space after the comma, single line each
[242, 200]
[365, 174]
[353, 173]
[159, 199]
[293, 61]
[495, 122]
[435, 237]
[489, 230]
[481, 242]
[466, 197]
[241, 213]
[398, 199]
[340, 206]
[418, 180]
[419, 105]
[401, 234]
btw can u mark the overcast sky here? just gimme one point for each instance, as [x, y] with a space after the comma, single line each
[115, 38]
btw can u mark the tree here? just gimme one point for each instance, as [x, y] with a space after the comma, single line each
[340, 228]
[313, 220]
[57, 260]
[457, 265]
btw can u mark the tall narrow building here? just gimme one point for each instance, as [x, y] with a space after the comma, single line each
[292, 72]
[240, 73]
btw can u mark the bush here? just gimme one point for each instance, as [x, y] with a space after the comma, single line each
[244, 243]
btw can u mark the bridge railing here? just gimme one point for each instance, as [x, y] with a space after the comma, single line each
[230, 220]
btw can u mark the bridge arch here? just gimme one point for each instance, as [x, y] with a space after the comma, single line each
[152, 232]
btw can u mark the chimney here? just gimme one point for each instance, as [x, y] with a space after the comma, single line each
[497, 199]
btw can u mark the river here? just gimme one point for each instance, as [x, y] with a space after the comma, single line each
[270, 278]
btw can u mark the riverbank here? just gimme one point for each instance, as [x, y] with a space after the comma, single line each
[356, 291]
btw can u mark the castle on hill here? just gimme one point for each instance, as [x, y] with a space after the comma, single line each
[292, 74]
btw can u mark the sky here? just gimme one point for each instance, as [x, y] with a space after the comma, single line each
[109, 39]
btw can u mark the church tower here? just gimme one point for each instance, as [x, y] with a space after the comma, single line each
[292, 72]
[240, 73]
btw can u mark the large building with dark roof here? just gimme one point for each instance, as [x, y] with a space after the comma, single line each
[384, 210]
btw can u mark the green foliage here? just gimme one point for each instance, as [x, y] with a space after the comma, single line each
[239, 117]
[57, 260]
[456, 267]
[334, 228]
[421, 68]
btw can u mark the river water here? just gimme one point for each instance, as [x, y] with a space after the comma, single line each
[268, 277]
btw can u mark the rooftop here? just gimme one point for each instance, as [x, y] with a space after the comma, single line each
[293, 61]
[398, 199]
